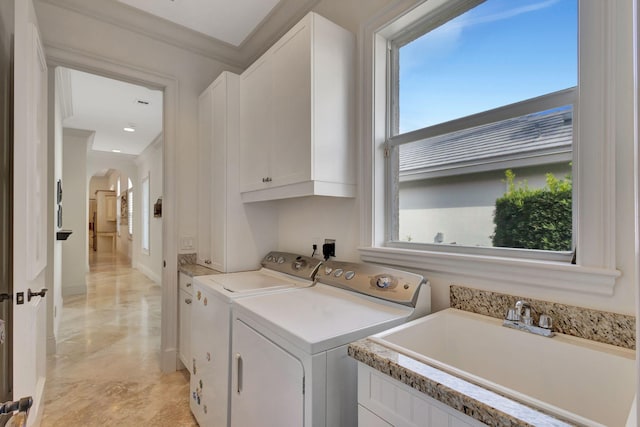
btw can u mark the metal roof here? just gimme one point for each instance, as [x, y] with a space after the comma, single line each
[539, 138]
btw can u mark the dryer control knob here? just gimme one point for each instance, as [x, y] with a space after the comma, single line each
[383, 282]
[328, 270]
[281, 260]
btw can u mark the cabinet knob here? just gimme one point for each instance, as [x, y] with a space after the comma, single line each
[187, 300]
[267, 179]
[188, 285]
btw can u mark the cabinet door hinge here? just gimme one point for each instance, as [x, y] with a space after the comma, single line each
[303, 378]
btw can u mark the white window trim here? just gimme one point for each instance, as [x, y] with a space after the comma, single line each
[595, 271]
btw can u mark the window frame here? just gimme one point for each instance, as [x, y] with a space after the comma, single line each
[594, 161]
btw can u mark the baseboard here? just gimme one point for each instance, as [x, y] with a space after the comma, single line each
[169, 360]
[52, 345]
[149, 273]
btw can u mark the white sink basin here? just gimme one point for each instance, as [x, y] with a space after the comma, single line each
[579, 380]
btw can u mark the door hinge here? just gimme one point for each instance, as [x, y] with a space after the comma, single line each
[303, 382]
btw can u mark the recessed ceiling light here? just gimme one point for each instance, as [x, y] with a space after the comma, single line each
[115, 151]
[129, 129]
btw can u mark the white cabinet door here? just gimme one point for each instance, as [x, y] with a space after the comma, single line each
[256, 118]
[267, 382]
[204, 178]
[290, 154]
[219, 166]
[209, 397]
[184, 338]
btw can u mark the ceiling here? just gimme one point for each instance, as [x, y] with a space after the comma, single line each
[229, 21]
[107, 106]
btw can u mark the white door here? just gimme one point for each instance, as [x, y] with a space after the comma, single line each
[29, 209]
[267, 382]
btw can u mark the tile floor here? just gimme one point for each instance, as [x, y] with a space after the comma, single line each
[106, 369]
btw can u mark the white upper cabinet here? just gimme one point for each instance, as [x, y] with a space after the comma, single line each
[297, 115]
[205, 135]
[232, 236]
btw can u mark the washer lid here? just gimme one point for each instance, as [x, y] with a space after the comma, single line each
[321, 317]
[252, 281]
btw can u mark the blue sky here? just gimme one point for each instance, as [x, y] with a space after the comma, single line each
[500, 52]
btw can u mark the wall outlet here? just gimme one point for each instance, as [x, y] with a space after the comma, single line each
[329, 248]
[186, 243]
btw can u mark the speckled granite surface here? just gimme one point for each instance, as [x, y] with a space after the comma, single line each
[470, 399]
[610, 328]
[196, 270]
[187, 259]
[187, 265]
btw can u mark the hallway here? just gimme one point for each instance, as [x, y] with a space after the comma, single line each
[106, 370]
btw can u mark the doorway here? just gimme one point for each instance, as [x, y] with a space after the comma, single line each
[111, 148]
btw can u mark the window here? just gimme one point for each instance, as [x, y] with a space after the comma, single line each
[393, 139]
[479, 92]
[145, 215]
[130, 206]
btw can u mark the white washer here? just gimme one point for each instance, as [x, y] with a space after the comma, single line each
[291, 366]
[211, 326]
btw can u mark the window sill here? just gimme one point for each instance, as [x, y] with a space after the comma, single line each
[547, 274]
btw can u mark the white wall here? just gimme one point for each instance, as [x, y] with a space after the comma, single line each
[74, 209]
[149, 164]
[193, 72]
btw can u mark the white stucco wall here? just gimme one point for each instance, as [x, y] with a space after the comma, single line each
[74, 209]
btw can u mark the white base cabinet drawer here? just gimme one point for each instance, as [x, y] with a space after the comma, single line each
[393, 403]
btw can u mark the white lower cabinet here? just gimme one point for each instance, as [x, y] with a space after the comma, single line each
[209, 382]
[383, 401]
[267, 382]
[185, 295]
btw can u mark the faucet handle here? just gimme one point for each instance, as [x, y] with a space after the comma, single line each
[512, 315]
[545, 322]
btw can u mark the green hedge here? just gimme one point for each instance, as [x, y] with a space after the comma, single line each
[534, 218]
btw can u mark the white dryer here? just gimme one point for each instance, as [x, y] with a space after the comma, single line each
[211, 326]
[291, 366]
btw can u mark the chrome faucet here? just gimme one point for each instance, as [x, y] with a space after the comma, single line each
[520, 318]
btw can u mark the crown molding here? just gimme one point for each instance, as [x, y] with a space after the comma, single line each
[286, 14]
[132, 19]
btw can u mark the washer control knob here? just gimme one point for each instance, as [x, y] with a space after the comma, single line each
[338, 272]
[349, 275]
[281, 260]
[269, 258]
[327, 270]
[383, 282]
[297, 265]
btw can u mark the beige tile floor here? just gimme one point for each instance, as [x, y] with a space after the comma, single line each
[106, 370]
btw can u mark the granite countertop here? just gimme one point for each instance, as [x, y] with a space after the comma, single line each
[196, 270]
[477, 402]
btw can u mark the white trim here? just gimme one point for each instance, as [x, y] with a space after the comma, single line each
[90, 62]
[546, 274]
[506, 112]
[595, 272]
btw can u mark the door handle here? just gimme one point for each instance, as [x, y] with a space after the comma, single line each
[31, 294]
[239, 373]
